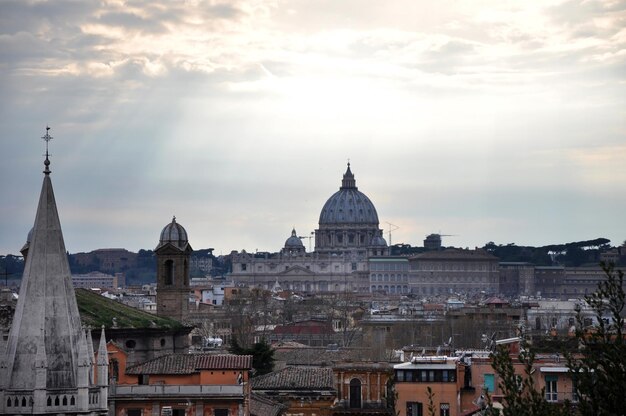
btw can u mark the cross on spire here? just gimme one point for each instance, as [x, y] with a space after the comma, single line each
[47, 139]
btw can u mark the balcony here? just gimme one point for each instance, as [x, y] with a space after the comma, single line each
[175, 391]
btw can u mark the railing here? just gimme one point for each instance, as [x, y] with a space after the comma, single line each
[175, 390]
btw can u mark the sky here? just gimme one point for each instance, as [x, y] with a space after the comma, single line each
[484, 120]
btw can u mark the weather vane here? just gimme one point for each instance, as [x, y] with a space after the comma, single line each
[47, 139]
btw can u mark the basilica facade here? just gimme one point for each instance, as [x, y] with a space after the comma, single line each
[348, 235]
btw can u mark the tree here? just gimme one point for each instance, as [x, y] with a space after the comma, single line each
[599, 373]
[261, 352]
[521, 396]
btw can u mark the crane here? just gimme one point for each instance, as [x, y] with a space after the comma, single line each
[392, 227]
[309, 237]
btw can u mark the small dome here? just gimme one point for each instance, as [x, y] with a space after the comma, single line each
[175, 234]
[293, 241]
[378, 241]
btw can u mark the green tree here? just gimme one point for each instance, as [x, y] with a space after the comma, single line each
[599, 372]
[431, 401]
[521, 395]
[262, 355]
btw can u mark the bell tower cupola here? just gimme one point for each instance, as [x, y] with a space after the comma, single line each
[173, 256]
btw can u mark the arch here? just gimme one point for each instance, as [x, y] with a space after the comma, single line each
[169, 272]
[72, 401]
[355, 393]
[56, 401]
[9, 404]
[23, 401]
[49, 402]
[16, 402]
[64, 400]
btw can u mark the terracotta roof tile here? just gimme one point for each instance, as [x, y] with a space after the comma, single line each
[262, 406]
[296, 378]
[190, 363]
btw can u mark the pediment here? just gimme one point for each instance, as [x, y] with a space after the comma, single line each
[169, 248]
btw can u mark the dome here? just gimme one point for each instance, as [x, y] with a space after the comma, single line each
[378, 241]
[348, 205]
[294, 241]
[175, 234]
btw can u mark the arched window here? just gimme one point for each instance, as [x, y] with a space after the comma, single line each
[169, 272]
[537, 323]
[355, 393]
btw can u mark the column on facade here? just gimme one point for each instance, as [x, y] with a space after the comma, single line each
[342, 382]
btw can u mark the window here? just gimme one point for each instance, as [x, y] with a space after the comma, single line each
[353, 266]
[115, 369]
[169, 272]
[244, 267]
[490, 383]
[143, 379]
[133, 412]
[444, 409]
[400, 375]
[414, 409]
[220, 412]
[551, 388]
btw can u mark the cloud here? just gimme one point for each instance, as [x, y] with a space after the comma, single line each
[240, 115]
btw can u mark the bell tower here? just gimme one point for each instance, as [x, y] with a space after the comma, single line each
[173, 255]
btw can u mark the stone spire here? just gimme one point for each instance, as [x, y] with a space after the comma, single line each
[48, 351]
[46, 319]
[103, 361]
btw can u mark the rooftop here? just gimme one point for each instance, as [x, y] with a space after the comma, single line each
[296, 378]
[191, 363]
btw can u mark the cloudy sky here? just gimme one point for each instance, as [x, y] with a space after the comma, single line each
[490, 120]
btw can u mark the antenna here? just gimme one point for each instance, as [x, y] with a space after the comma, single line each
[6, 275]
[392, 227]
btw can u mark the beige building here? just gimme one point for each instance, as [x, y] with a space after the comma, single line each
[452, 271]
